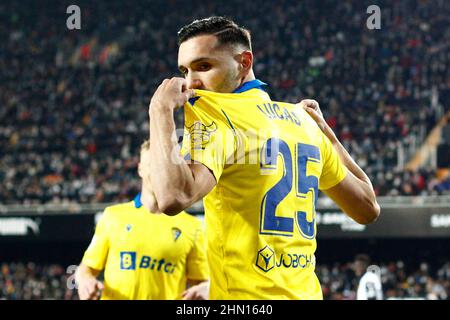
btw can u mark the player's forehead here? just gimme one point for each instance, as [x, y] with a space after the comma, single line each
[196, 48]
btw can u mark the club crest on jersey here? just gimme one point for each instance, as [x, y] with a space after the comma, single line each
[200, 134]
[129, 227]
[265, 259]
[176, 233]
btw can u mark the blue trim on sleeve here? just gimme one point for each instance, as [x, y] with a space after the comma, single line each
[193, 100]
[137, 201]
[250, 85]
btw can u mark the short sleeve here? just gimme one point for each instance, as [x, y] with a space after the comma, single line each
[333, 170]
[97, 252]
[207, 140]
[197, 264]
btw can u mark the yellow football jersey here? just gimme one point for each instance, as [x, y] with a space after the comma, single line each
[269, 159]
[145, 255]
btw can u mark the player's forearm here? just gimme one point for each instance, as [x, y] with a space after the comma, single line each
[84, 272]
[354, 194]
[351, 165]
[88, 286]
[171, 176]
[346, 159]
[368, 197]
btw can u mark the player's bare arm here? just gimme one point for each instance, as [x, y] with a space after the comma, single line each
[355, 194]
[177, 185]
[89, 288]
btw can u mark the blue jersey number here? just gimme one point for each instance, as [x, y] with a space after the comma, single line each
[270, 223]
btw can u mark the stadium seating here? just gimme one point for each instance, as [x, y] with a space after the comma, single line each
[73, 103]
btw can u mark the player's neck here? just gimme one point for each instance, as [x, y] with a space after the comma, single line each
[148, 200]
[249, 77]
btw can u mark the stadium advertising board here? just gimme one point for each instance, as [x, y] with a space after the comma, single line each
[393, 223]
[52, 227]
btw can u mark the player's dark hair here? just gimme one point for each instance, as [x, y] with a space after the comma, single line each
[226, 31]
[363, 258]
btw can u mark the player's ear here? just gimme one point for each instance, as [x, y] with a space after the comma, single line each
[246, 61]
[140, 173]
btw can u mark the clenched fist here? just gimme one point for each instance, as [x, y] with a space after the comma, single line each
[312, 107]
[171, 94]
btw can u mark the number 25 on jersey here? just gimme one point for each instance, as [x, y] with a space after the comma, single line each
[294, 173]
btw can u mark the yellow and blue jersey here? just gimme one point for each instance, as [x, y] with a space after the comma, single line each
[146, 255]
[269, 159]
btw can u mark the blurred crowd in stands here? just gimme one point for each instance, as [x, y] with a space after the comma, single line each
[74, 103]
[30, 281]
[339, 281]
[399, 281]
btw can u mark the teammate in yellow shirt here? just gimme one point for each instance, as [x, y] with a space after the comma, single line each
[145, 255]
[260, 164]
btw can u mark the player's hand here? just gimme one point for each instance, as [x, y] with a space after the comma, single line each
[90, 289]
[312, 107]
[171, 94]
[197, 292]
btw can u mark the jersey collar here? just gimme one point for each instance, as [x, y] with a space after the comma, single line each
[137, 201]
[250, 85]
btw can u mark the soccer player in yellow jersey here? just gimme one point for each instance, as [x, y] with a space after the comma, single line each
[259, 164]
[145, 255]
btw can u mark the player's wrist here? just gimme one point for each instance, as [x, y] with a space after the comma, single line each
[83, 279]
[160, 108]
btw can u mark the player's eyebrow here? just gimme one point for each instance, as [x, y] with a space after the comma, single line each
[181, 67]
